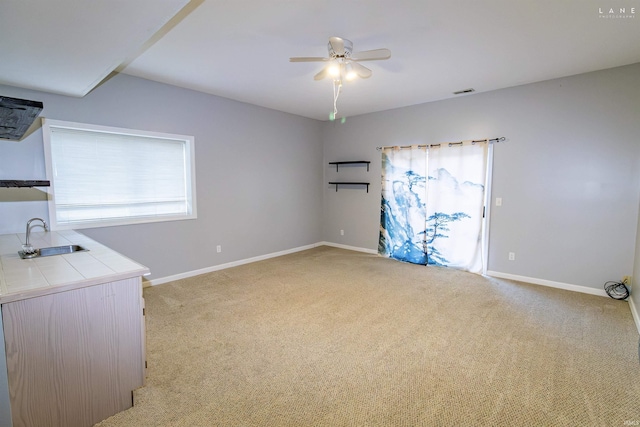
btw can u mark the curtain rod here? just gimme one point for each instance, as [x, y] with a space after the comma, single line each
[473, 141]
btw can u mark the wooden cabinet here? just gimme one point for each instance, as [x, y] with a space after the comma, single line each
[73, 358]
[5, 405]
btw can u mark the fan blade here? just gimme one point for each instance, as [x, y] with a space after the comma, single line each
[371, 55]
[322, 74]
[308, 59]
[362, 71]
[337, 44]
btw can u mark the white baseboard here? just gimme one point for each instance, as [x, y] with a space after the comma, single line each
[552, 284]
[351, 248]
[192, 273]
[205, 270]
[560, 285]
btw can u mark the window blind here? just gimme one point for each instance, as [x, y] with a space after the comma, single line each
[103, 177]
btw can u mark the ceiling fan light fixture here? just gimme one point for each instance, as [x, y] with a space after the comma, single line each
[343, 65]
[333, 69]
[350, 73]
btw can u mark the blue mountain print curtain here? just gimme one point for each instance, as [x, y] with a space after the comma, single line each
[432, 204]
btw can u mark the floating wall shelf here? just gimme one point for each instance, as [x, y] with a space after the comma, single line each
[356, 162]
[16, 183]
[353, 162]
[350, 183]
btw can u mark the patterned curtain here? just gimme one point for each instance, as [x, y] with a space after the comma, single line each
[432, 204]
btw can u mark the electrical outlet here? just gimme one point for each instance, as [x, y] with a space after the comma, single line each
[512, 256]
[342, 232]
[498, 201]
[218, 248]
[626, 280]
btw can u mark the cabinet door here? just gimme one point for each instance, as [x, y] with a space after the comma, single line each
[5, 408]
[74, 358]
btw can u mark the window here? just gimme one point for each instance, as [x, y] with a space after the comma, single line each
[102, 176]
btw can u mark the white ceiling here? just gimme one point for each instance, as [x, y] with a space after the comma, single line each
[240, 49]
[70, 46]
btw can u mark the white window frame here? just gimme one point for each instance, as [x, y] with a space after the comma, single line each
[190, 178]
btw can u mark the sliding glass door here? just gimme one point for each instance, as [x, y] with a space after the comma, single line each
[433, 204]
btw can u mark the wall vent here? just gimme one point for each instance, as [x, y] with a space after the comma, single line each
[460, 92]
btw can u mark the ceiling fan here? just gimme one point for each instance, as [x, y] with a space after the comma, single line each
[342, 63]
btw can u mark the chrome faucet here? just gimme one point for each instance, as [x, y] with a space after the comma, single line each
[27, 246]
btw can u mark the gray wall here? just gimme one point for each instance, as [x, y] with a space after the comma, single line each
[258, 173]
[568, 173]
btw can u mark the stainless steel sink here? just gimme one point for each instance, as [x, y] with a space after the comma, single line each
[53, 250]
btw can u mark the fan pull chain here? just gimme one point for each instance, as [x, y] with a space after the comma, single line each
[337, 86]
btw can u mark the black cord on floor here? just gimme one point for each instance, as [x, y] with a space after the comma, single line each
[616, 290]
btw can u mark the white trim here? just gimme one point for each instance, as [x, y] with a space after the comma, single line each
[496, 274]
[205, 270]
[552, 284]
[187, 274]
[635, 314]
[350, 248]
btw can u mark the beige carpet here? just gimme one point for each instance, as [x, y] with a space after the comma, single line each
[329, 337]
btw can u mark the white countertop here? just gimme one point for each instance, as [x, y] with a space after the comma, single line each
[26, 278]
